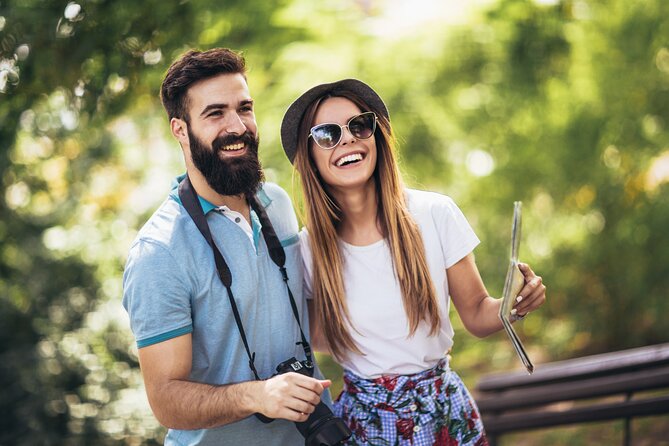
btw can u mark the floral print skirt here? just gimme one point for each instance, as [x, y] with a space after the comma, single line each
[430, 408]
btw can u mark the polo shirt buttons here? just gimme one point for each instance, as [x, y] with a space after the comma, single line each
[416, 428]
[237, 219]
[413, 408]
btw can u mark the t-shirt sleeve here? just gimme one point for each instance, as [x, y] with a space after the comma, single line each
[305, 248]
[456, 234]
[155, 295]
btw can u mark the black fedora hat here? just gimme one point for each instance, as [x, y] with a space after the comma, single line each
[291, 119]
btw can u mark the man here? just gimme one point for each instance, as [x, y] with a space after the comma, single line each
[195, 366]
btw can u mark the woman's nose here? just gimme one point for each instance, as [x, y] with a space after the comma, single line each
[347, 136]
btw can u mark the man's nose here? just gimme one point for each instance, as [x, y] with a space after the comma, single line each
[234, 124]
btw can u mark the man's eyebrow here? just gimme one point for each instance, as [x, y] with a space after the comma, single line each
[213, 107]
[224, 106]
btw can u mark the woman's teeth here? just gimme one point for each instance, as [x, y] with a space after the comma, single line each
[231, 147]
[349, 159]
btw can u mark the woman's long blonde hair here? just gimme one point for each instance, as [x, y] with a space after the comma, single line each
[323, 217]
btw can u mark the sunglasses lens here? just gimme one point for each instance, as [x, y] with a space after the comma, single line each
[327, 135]
[362, 126]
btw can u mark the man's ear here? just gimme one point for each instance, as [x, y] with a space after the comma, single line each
[179, 129]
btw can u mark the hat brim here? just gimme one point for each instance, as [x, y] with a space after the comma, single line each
[290, 126]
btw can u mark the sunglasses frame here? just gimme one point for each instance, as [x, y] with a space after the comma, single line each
[341, 127]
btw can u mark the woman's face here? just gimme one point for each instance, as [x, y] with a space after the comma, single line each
[350, 163]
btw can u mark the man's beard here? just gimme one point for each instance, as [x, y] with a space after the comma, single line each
[232, 175]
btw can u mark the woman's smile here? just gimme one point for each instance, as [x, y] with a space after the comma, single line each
[349, 160]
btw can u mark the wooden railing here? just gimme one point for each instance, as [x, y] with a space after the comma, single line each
[592, 388]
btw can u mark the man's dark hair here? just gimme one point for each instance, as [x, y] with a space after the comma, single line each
[191, 67]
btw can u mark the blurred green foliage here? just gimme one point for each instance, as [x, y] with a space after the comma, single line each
[560, 104]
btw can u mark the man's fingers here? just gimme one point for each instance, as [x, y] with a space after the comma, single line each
[292, 396]
[292, 415]
[302, 407]
[314, 385]
[306, 395]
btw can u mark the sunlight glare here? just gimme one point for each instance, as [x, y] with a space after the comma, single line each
[658, 172]
[480, 163]
[399, 18]
[17, 195]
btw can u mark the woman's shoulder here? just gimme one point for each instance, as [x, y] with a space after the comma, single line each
[422, 200]
[305, 248]
[304, 235]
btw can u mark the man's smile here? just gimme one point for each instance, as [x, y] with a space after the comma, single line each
[233, 147]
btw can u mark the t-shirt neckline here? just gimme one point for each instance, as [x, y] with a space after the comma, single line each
[369, 247]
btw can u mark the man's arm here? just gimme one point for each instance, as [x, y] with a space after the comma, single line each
[181, 404]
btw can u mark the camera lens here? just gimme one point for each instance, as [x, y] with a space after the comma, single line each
[322, 428]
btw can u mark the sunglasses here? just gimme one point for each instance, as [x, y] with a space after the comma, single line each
[329, 135]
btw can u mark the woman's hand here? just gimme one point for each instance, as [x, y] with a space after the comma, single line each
[533, 294]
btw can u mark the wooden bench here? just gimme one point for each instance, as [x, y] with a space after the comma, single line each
[592, 388]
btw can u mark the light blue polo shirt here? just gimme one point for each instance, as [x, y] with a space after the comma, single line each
[171, 288]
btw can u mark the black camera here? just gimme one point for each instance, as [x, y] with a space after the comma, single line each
[322, 428]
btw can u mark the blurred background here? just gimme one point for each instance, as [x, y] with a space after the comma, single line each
[563, 104]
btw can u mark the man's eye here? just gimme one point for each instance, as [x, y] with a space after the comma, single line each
[215, 113]
[247, 109]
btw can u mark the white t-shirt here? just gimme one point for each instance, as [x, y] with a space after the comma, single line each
[374, 299]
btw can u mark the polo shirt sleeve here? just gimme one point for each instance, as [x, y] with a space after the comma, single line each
[155, 294]
[281, 212]
[456, 234]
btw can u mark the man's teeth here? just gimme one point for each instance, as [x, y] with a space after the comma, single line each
[234, 146]
[349, 159]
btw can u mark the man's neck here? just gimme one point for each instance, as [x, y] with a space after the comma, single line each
[237, 203]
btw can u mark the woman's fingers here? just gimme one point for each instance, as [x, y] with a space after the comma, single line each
[533, 294]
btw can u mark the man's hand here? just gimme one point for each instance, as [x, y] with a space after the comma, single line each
[182, 404]
[290, 396]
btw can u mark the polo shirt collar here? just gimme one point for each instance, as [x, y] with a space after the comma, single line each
[174, 193]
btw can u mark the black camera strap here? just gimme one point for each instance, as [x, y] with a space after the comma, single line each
[192, 205]
[278, 256]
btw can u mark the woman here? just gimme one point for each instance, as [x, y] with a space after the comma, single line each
[380, 263]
